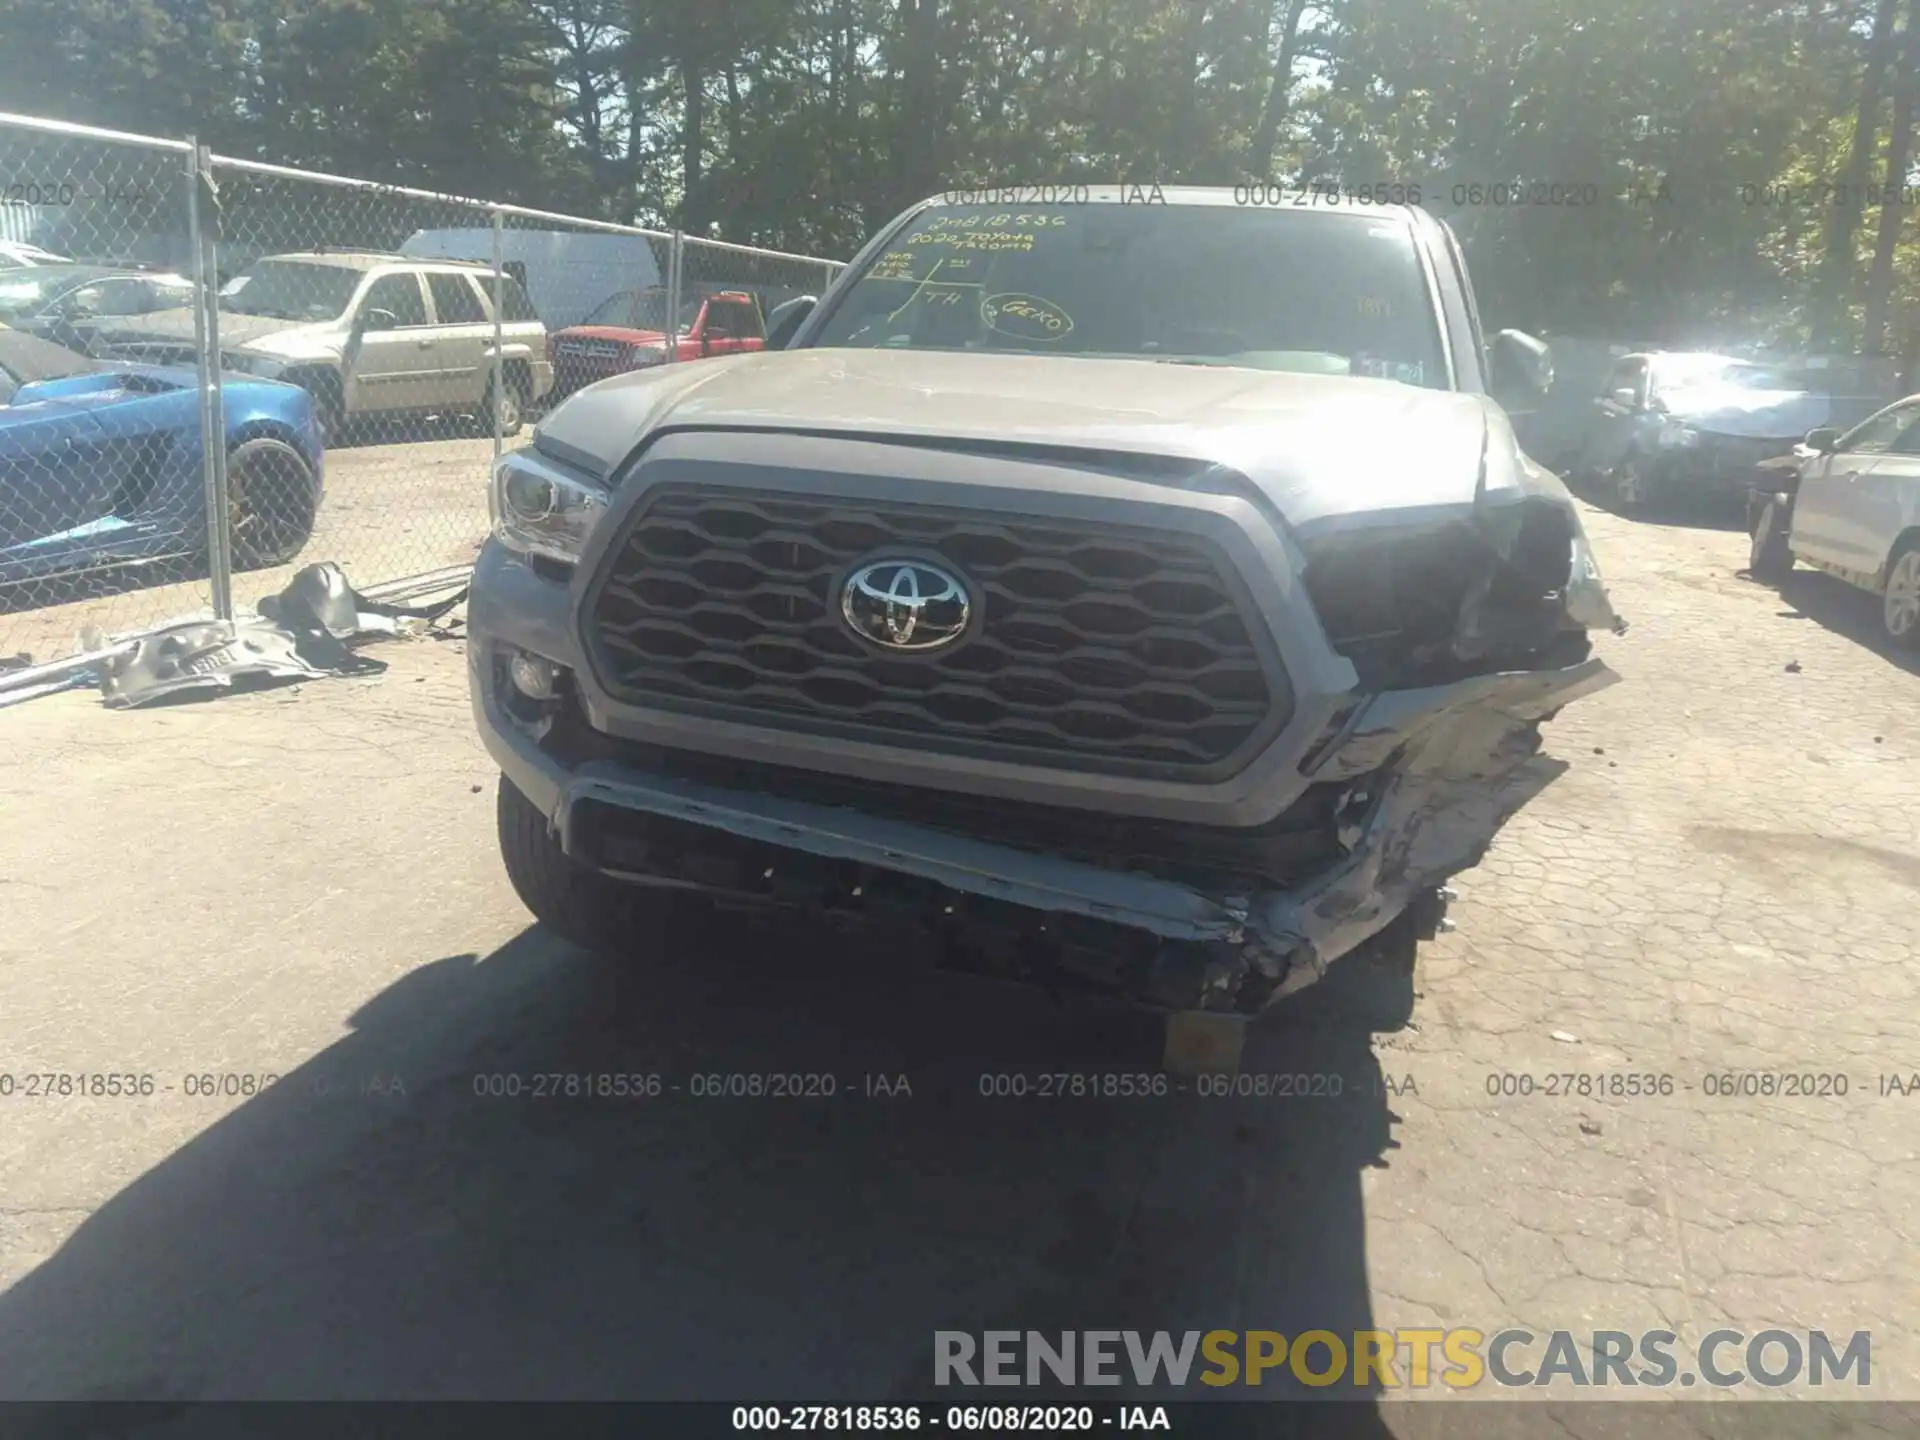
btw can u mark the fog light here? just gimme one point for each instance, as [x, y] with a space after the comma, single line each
[532, 676]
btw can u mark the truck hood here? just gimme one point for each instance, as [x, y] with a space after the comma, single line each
[1758, 414]
[108, 385]
[1328, 451]
[258, 334]
[621, 333]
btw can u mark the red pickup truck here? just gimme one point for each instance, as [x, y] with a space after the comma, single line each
[628, 331]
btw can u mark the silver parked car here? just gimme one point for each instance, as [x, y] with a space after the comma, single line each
[65, 303]
[1849, 504]
[1151, 596]
[366, 334]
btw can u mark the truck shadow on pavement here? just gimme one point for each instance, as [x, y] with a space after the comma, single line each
[381, 1224]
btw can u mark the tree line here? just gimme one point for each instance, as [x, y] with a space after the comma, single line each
[1675, 173]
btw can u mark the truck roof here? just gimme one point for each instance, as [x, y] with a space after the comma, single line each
[1264, 195]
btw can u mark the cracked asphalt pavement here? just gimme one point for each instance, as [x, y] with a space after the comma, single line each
[1717, 882]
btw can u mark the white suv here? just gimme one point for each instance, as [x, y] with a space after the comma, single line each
[366, 333]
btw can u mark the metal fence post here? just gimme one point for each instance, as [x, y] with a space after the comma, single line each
[236, 210]
[202, 230]
[499, 305]
[674, 251]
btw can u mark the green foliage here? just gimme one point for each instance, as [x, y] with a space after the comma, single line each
[1693, 139]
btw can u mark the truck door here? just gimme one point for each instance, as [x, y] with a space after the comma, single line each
[464, 341]
[728, 326]
[1616, 416]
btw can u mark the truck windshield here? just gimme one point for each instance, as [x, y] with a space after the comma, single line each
[1714, 372]
[1300, 290]
[641, 310]
[27, 292]
[291, 290]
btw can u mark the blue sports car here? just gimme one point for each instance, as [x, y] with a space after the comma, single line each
[100, 464]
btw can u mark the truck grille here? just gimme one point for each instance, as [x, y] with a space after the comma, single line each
[1100, 646]
[594, 349]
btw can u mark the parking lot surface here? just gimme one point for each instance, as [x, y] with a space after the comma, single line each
[1718, 880]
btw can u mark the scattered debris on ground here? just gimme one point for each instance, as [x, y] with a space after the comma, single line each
[305, 632]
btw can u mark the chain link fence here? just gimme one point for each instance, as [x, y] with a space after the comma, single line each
[377, 348]
[102, 490]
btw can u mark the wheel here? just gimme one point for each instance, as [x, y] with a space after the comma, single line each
[1769, 556]
[1900, 600]
[508, 407]
[1630, 487]
[270, 503]
[576, 903]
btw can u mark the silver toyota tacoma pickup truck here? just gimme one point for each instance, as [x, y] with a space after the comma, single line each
[1142, 596]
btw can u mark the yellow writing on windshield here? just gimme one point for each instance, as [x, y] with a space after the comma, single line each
[997, 222]
[974, 239]
[894, 265]
[1025, 317]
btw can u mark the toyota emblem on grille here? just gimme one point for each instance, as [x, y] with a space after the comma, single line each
[905, 605]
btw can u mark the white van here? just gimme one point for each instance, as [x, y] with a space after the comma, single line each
[566, 273]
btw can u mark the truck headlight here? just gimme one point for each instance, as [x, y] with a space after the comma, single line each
[540, 508]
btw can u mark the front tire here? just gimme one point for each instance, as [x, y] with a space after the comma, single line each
[576, 903]
[1900, 597]
[1770, 556]
[1631, 491]
[270, 503]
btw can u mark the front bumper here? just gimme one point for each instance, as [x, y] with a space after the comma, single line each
[1436, 771]
[1719, 468]
[573, 371]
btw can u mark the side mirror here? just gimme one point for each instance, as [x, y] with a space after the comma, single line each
[706, 341]
[1823, 441]
[1519, 367]
[378, 319]
[786, 317]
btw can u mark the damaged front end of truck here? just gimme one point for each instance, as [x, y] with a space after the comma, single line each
[1440, 640]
